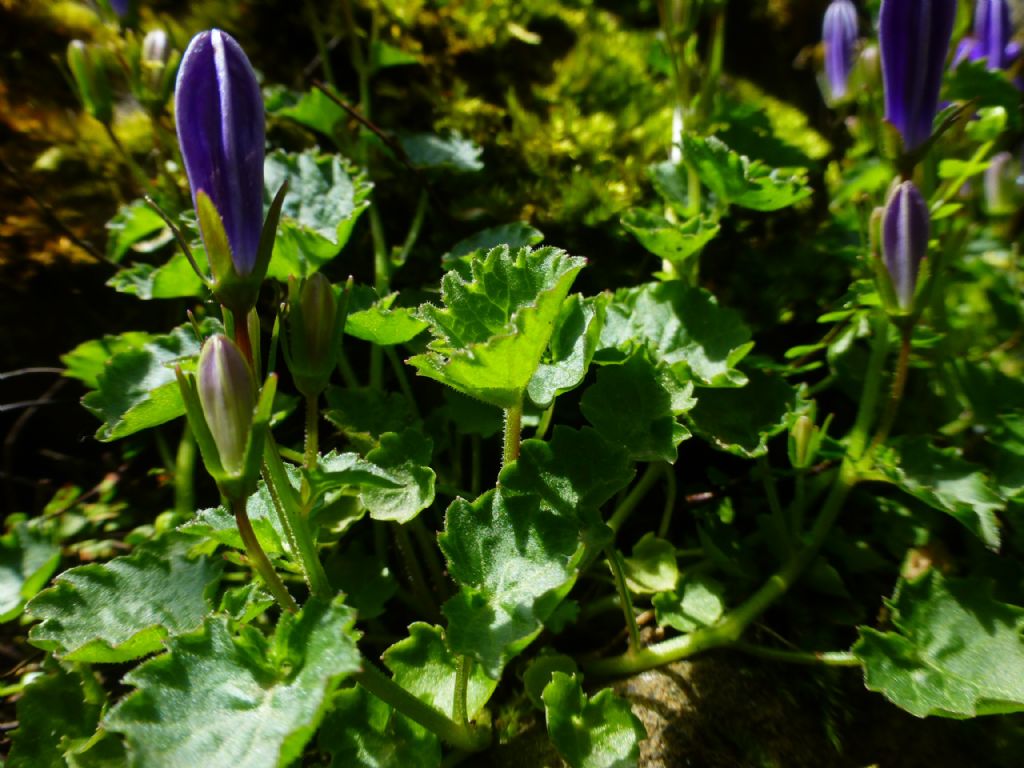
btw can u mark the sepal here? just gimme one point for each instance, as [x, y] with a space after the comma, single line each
[90, 78]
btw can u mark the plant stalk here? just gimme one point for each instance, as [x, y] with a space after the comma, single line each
[513, 433]
[259, 558]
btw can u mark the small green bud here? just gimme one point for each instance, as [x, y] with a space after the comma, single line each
[90, 76]
[805, 439]
[227, 394]
[314, 332]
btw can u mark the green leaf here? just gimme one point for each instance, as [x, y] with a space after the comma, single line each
[137, 389]
[405, 458]
[652, 567]
[27, 561]
[577, 470]
[591, 732]
[452, 152]
[972, 81]
[325, 198]
[379, 322]
[125, 608]
[394, 481]
[516, 235]
[383, 56]
[218, 523]
[648, 428]
[88, 360]
[742, 421]
[491, 335]
[514, 560]
[425, 666]
[364, 414]
[577, 335]
[736, 179]
[364, 732]
[699, 601]
[539, 671]
[252, 701]
[683, 327]
[673, 242]
[940, 478]
[958, 651]
[172, 280]
[131, 225]
[312, 109]
[57, 716]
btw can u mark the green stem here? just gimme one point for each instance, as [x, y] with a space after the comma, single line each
[463, 667]
[133, 168]
[413, 569]
[293, 520]
[899, 383]
[619, 576]
[458, 735]
[731, 627]
[634, 497]
[414, 228]
[259, 559]
[403, 380]
[825, 658]
[321, 45]
[428, 546]
[513, 433]
[858, 442]
[771, 493]
[309, 455]
[670, 501]
[184, 473]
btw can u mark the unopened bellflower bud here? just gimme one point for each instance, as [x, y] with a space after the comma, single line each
[839, 35]
[314, 333]
[914, 38]
[90, 76]
[1001, 185]
[156, 48]
[905, 232]
[227, 394]
[221, 127]
[990, 40]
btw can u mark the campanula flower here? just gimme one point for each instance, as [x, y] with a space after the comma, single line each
[839, 35]
[914, 38]
[905, 232]
[121, 7]
[990, 41]
[221, 127]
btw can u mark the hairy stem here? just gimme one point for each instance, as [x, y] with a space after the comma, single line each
[619, 576]
[259, 558]
[513, 433]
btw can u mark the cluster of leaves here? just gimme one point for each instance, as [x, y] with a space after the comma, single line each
[479, 584]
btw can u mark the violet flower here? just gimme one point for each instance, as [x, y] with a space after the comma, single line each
[121, 7]
[990, 41]
[905, 231]
[914, 38]
[221, 127]
[839, 35]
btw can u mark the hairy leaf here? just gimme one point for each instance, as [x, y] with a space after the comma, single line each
[125, 608]
[252, 701]
[684, 328]
[494, 328]
[28, 559]
[577, 335]
[674, 242]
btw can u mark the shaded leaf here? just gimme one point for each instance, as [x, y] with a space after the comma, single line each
[958, 652]
[699, 601]
[652, 567]
[674, 242]
[516, 235]
[647, 427]
[741, 421]
[452, 152]
[132, 224]
[943, 480]
[363, 732]
[27, 561]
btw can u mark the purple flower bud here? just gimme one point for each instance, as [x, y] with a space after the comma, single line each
[914, 37]
[993, 28]
[121, 7]
[905, 232]
[220, 117]
[839, 34]
[228, 397]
